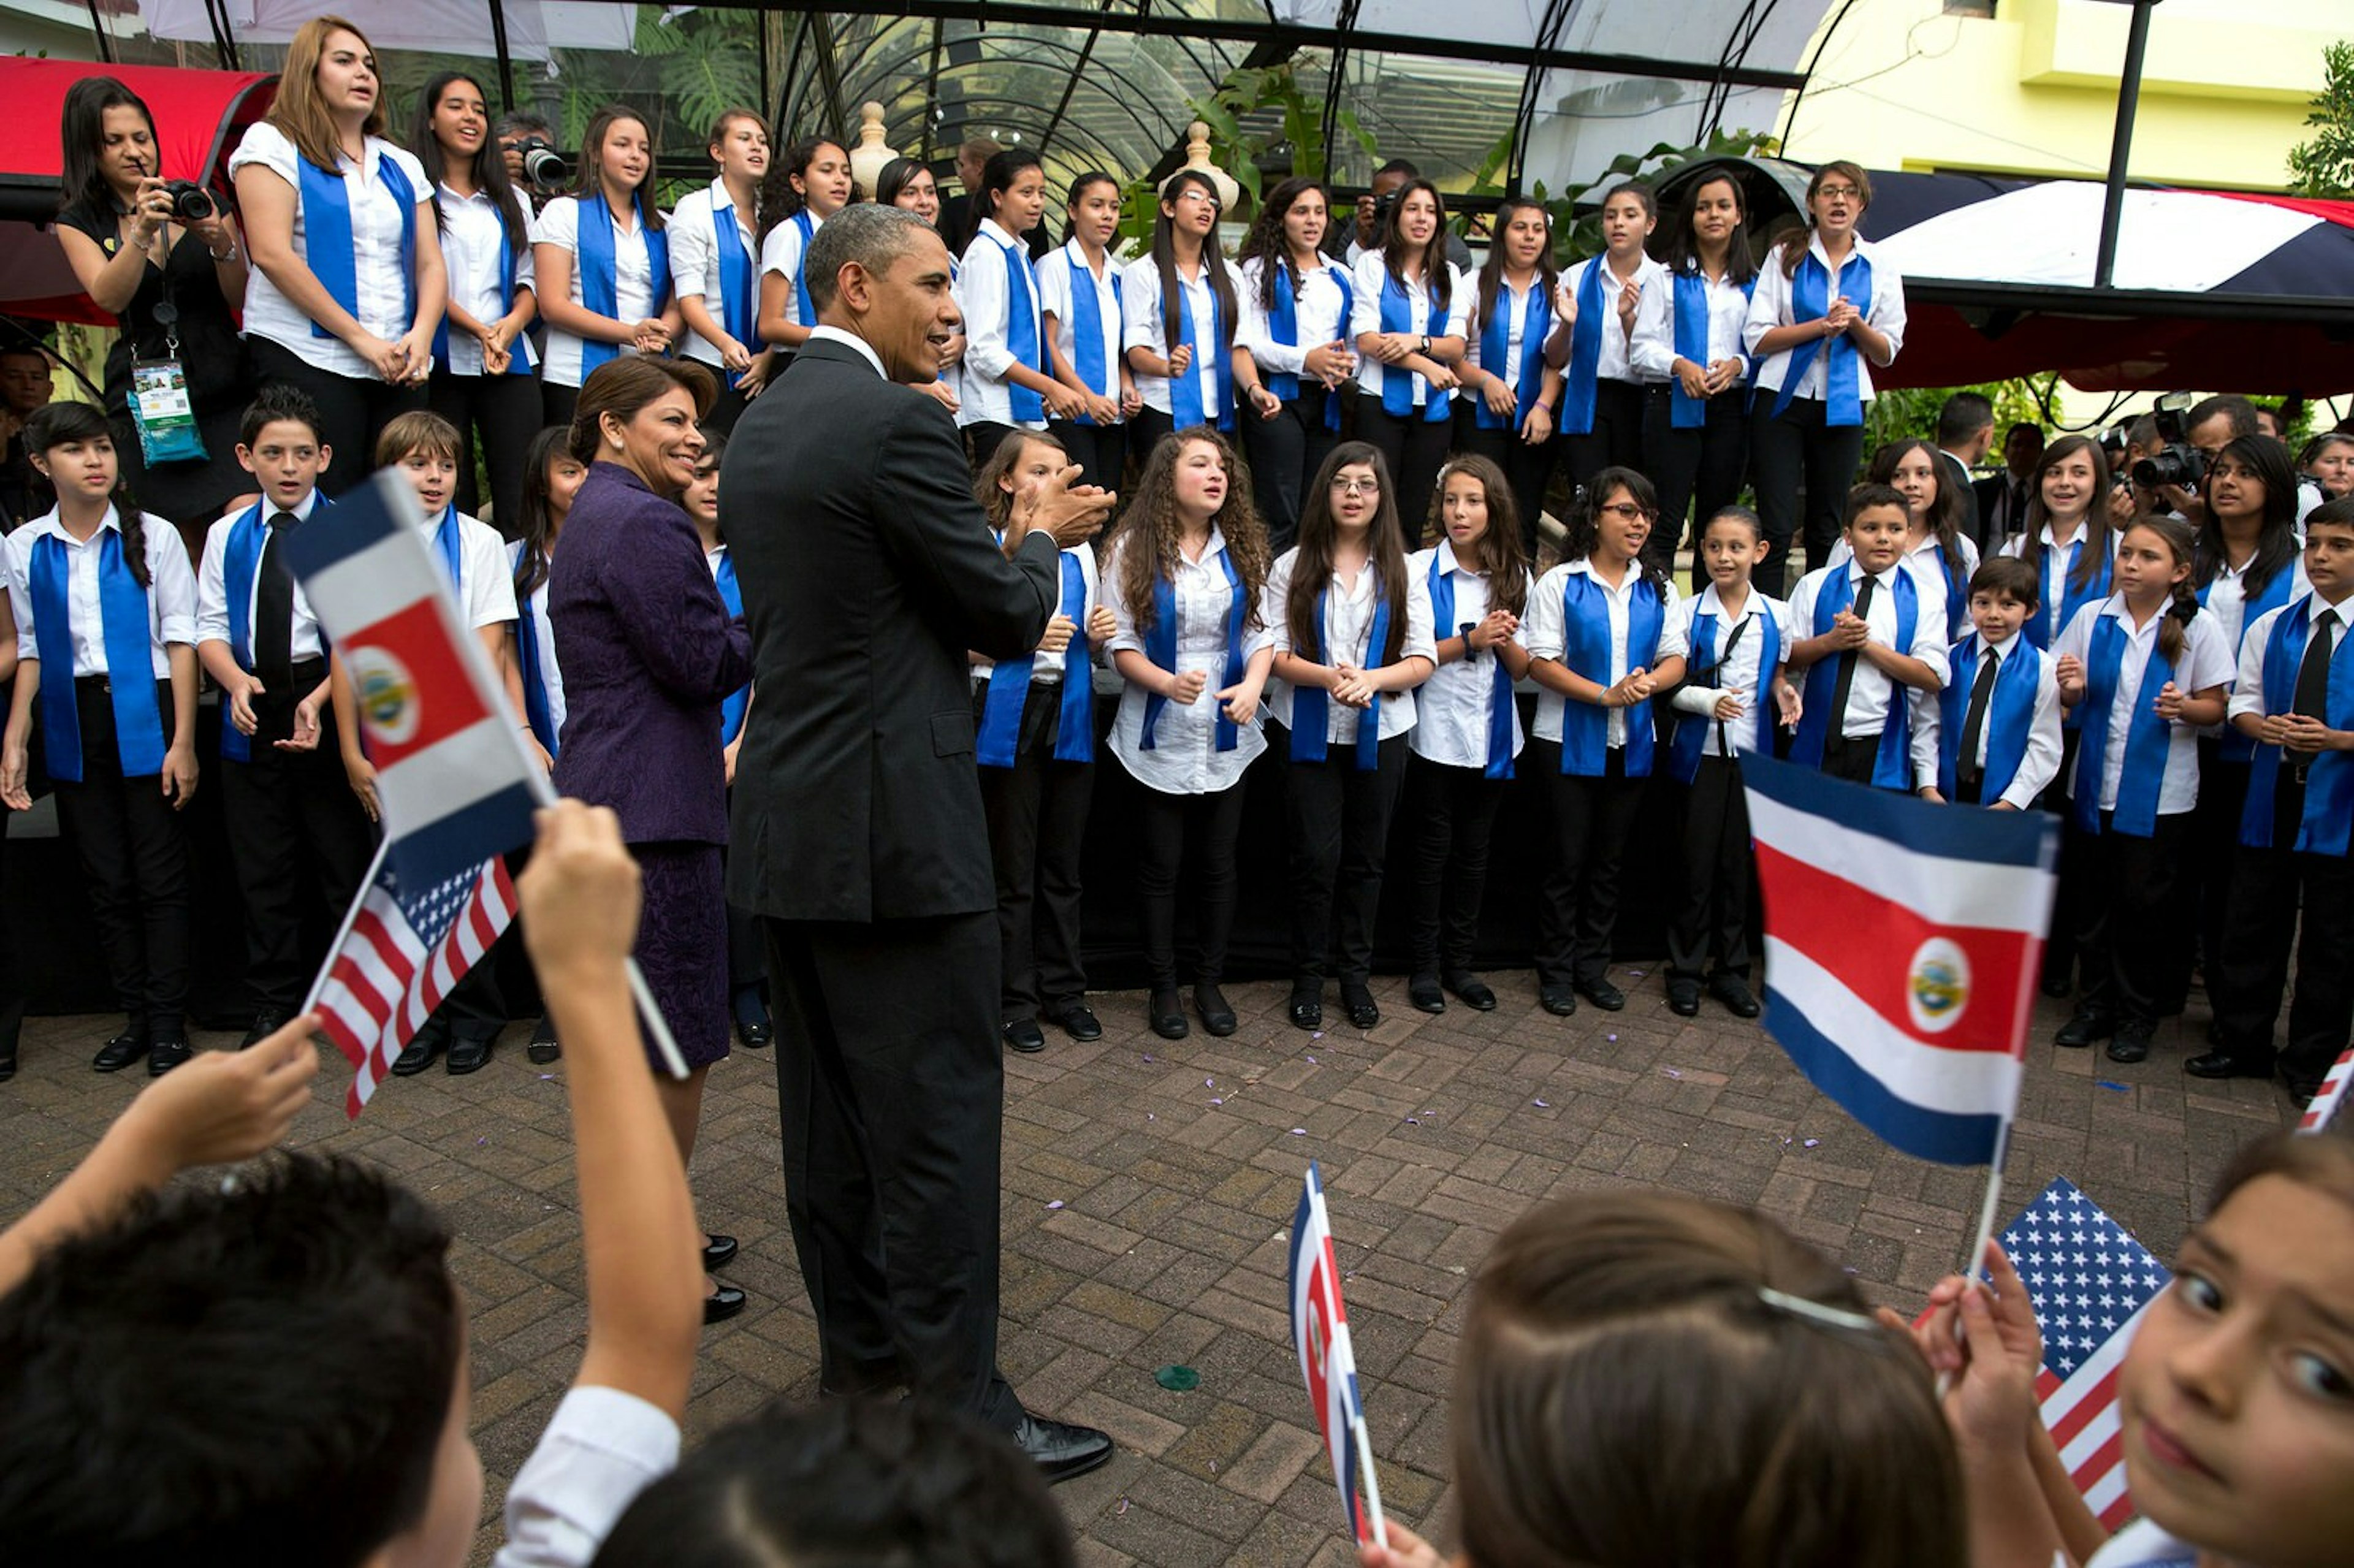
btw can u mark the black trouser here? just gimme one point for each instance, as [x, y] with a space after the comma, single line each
[1338, 817]
[1285, 453]
[1615, 439]
[1145, 432]
[557, 403]
[1853, 757]
[2126, 919]
[134, 858]
[1704, 464]
[1453, 813]
[282, 808]
[352, 410]
[12, 980]
[987, 435]
[2060, 946]
[1527, 471]
[2267, 886]
[1786, 450]
[1415, 449]
[1101, 451]
[504, 410]
[1037, 812]
[1577, 902]
[2209, 855]
[890, 1092]
[1712, 915]
[1164, 823]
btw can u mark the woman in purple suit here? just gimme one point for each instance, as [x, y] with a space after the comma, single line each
[648, 651]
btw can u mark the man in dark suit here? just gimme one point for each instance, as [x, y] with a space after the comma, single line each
[1964, 432]
[2003, 500]
[868, 570]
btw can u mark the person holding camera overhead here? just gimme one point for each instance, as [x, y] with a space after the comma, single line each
[348, 285]
[164, 259]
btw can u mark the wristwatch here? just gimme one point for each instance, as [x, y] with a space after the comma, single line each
[1426, 344]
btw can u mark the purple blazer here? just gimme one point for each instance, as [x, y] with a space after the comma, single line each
[648, 651]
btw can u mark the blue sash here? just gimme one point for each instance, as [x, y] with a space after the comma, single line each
[733, 706]
[1584, 377]
[1311, 706]
[1020, 332]
[445, 544]
[1892, 769]
[1585, 647]
[537, 709]
[1500, 694]
[1811, 299]
[239, 561]
[1397, 385]
[1686, 412]
[1495, 348]
[130, 660]
[739, 281]
[2329, 777]
[2235, 747]
[1161, 647]
[1009, 689]
[519, 350]
[1091, 356]
[600, 273]
[806, 314]
[1283, 326]
[2011, 716]
[1692, 729]
[1185, 391]
[2146, 736]
[2040, 630]
[328, 246]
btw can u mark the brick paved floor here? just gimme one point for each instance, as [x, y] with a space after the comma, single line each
[1148, 1186]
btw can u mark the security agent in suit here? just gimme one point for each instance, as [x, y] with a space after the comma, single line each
[867, 570]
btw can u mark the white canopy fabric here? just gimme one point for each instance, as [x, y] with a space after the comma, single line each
[442, 26]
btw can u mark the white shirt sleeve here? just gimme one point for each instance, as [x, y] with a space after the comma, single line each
[2248, 691]
[1929, 640]
[1651, 351]
[1928, 720]
[1802, 608]
[1368, 277]
[267, 146]
[1055, 286]
[1255, 331]
[1886, 315]
[602, 1448]
[212, 584]
[172, 582]
[490, 590]
[1419, 641]
[1769, 304]
[1542, 624]
[558, 224]
[2041, 763]
[983, 277]
[1675, 640]
[2206, 658]
[1271, 597]
[17, 552]
[691, 244]
[1127, 638]
[1461, 294]
[1139, 315]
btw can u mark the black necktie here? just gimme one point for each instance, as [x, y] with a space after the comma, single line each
[1845, 683]
[1967, 770]
[2312, 699]
[274, 611]
[2016, 522]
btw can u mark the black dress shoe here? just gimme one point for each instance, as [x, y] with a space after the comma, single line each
[1060, 1449]
[1558, 1000]
[756, 1033]
[429, 1042]
[718, 1252]
[1472, 992]
[1024, 1035]
[266, 1022]
[1683, 996]
[2054, 986]
[163, 1055]
[118, 1053]
[1734, 993]
[1217, 1012]
[2130, 1045]
[1363, 1012]
[1165, 1011]
[2084, 1028]
[543, 1048]
[1074, 1018]
[1423, 992]
[723, 1302]
[2301, 1090]
[1601, 994]
[1306, 1011]
[469, 1054]
[2229, 1064]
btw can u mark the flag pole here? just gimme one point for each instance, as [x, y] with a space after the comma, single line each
[359, 897]
[1373, 1486]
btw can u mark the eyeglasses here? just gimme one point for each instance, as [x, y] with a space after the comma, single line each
[1356, 487]
[1625, 509]
[1837, 193]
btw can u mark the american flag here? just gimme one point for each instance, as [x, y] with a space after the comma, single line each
[402, 952]
[2090, 1283]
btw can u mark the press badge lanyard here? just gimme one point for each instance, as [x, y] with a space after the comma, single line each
[160, 405]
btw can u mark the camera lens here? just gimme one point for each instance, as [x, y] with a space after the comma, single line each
[191, 203]
[543, 166]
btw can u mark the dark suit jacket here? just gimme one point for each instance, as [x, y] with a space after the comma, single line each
[867, 570]
[1953, 472]
[1995, 523]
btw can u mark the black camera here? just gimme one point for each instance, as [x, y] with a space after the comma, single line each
[191, 203]
[543, 166]
[2178, 462]
[1383, 205]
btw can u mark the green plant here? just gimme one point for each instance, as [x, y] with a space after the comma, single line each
[1577, 236]
[1902, 413]
[1246, 96]
[2323, 164]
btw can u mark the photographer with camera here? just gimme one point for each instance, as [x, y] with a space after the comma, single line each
[1374, 216]
[534, 163]
[2175, 475]
[164, 259]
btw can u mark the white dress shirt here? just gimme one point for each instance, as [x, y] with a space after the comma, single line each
[1316, 310]
[1927, 563]
[2040, 763]
[987, 282]
[1546, 634]
[1184, 759]
[1868, 695]
[1056, 275]
[1514, 303]
[1141, 327]
[695, 262]
[2248, 691]
[1771, 306]
[171, 591]
[634, 284]
[1728, 315]
[1644, 354]
[2227, 600]
[2205, 660]
[212, 587]
[485, 592]
[1737, 673]
[1347, 638]
[380, 290]
[471, 235]
[543, 631]
[602, 1448]
[2054, 578]
[1371, 276]
[1452, 706]
[1047, 669]
[782, 253]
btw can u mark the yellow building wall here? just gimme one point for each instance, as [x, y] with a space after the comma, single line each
[2034, 89]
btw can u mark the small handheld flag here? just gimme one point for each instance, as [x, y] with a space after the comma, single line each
[2332, 1094]
[1901, 946]
[1319, 1329]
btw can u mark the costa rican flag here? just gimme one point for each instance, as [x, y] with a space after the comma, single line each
[1319, 1329]
[1901, 946]
[2090, 1283]
[2324, 1105]
[404, 947]
[455, 784]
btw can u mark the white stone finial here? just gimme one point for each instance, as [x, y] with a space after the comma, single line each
[868, 158]
[1198, 159]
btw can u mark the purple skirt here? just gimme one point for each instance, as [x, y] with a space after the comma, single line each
[683, 948]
